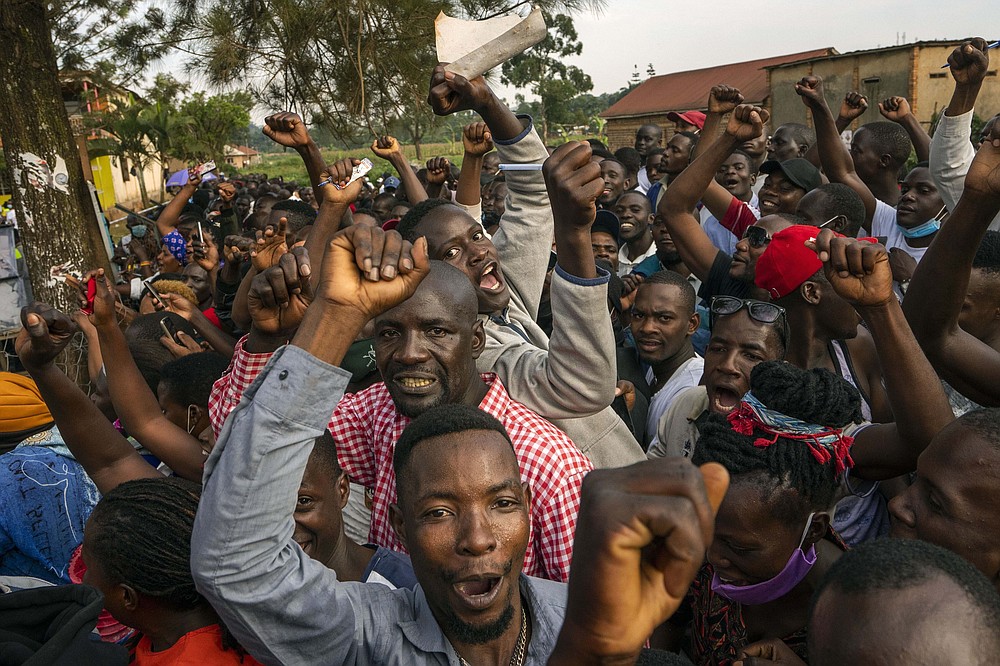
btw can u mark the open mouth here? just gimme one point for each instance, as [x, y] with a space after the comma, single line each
[724, 400]
[627, 226]
[490, 280]
[768, 204]
[478, 593]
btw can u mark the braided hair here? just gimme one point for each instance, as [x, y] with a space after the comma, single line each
[815, 396]
[140, 532]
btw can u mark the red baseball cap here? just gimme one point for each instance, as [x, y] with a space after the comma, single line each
[696, 118]
[787, 262]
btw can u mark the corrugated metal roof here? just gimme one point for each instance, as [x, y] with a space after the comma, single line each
[683, 91]
[881, 49]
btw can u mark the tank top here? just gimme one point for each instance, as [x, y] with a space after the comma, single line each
[842, 363]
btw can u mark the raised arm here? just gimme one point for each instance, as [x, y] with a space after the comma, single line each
[388, 148]
[242, 540]
[940, 283]
[641, 539]
[951, 147]
[477, 141]
[334, 205]
[859, 272]
[171, 213]
[287, 129]
[524, 239]
[135, 403]
[107, 457]
[897, 110]
[693, 244]
[721, 100]
[853, 106]
[834, 156]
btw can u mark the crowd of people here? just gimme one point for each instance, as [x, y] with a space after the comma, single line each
[726, 396]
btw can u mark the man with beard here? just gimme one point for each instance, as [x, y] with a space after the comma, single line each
[464, 508]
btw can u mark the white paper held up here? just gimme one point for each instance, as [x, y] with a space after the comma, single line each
[474, 47]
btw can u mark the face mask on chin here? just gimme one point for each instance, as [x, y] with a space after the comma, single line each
[794, 571]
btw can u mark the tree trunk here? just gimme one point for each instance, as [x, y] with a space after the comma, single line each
[55, 214]
[52, 202]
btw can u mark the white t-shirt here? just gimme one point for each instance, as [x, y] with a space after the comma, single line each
[686, 376]
[884, 226]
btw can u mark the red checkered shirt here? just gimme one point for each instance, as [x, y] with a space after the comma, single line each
[366, 426]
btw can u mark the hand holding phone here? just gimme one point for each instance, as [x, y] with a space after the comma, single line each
[169, 329]
[91, 295]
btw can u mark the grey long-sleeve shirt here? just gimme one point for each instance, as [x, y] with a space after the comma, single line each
[282, 606]
[569, 378]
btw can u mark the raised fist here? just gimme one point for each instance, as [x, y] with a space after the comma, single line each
[477, 139]
[969, 62]
[385, 147]
[286, 128]
[438, 170]
[723, 99]
[853, 106]
[810, 89]
[894, 109]
[451, 92]
[747, 122]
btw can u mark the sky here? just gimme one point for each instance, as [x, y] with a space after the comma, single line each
[675, 36]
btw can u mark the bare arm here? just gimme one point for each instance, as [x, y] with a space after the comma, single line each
[107, 457]
[940, 283]
[721, 100]
[167, 220]
[859, 272]
[693, 244]
[853, 106]
[388, 148]
[835, 158]
[478, 141]
[135, 404]
[897, 110]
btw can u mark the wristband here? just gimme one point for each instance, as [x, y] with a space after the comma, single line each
[145, 263]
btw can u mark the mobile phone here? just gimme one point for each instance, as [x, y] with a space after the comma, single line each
[148, 286]
[201, 235]
[202, 169]
[91, 295]
[169, 329]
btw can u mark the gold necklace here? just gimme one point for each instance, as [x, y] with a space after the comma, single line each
[516, 659]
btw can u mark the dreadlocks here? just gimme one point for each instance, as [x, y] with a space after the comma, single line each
[814, 396]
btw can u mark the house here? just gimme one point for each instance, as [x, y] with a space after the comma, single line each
[115, 179]
[911, 70]
[653, 99]
[242, 157]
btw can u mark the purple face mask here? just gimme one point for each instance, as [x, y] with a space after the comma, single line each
[795, 571]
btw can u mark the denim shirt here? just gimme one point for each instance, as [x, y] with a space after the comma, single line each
[282, 606]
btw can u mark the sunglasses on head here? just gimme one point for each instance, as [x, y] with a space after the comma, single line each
[757, 236]
[761, 311]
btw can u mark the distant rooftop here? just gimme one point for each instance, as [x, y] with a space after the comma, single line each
[683, 91]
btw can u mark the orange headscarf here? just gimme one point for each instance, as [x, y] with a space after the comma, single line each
[21, 404]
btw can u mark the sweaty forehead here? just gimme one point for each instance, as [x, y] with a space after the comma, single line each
[919, 176]
[446, 294]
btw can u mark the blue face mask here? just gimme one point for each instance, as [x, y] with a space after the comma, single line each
[139, 231]
[927, 228]
[923, 230]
